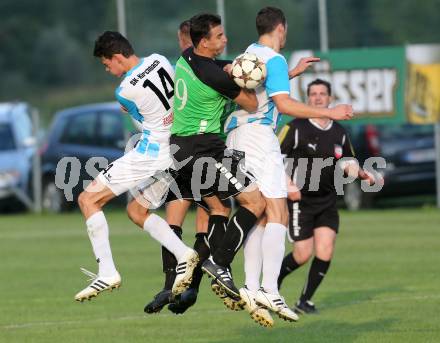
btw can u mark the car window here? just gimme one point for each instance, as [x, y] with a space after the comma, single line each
[6, 137]
[81, 129]
[23, 122]
[111, 130]
[405, 131]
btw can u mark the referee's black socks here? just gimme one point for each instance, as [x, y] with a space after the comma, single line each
[237, 230]
[289, 265]
[169, 261]
[317, 271]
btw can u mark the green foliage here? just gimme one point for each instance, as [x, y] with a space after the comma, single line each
[48, 44]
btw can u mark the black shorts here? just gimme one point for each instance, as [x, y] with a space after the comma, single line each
[172, 196]
[308, 214]
[206, 167]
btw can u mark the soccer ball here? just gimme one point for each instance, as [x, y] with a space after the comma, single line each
[248, 71]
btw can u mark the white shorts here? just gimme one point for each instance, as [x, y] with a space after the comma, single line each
[262, 156]
[138, 172]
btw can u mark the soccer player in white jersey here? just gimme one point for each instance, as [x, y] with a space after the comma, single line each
[146, 93]
[254, 134]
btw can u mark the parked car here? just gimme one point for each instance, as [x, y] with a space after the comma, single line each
[96, 130]
[409, 151]
[17, 148]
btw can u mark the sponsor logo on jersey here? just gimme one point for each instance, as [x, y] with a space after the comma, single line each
[312, 146]
[168, 120]
[338, 151]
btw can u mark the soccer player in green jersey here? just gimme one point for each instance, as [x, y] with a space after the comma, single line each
[202, 89]
[176, 210]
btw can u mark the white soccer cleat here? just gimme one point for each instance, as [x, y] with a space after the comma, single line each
[98, 285]
[184, 271]
[259, 314]
[275, 303]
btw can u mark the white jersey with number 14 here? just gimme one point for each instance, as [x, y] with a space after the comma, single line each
[146, 92]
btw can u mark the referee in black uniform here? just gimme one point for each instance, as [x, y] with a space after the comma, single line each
[313, 216]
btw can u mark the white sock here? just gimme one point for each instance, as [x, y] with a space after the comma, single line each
[159, 229]
[97, 228]
[253, 260]
[273, 254]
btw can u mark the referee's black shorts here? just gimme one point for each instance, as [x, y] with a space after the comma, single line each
[206, 167]
[310, 213]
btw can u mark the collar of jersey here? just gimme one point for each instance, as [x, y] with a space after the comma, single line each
[263, 46]
[192, 53]
[328, 127]
[128, 73]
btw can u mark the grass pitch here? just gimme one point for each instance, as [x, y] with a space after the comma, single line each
[383, 285]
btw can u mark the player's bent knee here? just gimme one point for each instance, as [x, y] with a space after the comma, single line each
[279, 211]
[302, 257]
[137, 213]
[84, 199]
[133, 212]
[325, 253]
[254, 202]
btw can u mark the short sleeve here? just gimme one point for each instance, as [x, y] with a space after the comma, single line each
[277, 81]
[129, 105]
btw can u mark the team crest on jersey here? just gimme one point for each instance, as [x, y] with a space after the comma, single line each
[338, 151]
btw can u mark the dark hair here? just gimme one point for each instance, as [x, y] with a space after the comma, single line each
[111, 43]
[320, 82]
[201, 25]
[184, 27]
[268, 18]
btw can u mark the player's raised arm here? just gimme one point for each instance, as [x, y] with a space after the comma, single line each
[291, 107]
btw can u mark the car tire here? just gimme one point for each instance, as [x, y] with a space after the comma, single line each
[355, 198]
[53, 198]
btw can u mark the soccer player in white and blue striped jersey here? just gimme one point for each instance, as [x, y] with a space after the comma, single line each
[254, 134]
[146, 93]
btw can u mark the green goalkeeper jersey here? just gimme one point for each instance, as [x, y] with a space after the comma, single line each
[201, 91]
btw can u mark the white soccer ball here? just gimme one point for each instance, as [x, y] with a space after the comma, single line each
[248, 71]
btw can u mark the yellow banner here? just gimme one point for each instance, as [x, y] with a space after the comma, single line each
[423, 93]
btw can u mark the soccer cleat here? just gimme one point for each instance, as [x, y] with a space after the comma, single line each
[184, 271]
[161, 299]
[98, 285]
[184, 301]
[303, 307]
[222, 276]
[259, 314]
[232, 304]
[275, 303]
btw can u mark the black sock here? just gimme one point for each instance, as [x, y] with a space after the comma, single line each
[289, 265]
[316, 275]
[235, 236]
[203, 250]
[216, 230]
[169, 261]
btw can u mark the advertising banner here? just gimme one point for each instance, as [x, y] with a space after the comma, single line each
[371, 79]
[423, 88]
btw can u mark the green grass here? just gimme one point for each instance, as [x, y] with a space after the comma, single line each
[383, 286]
